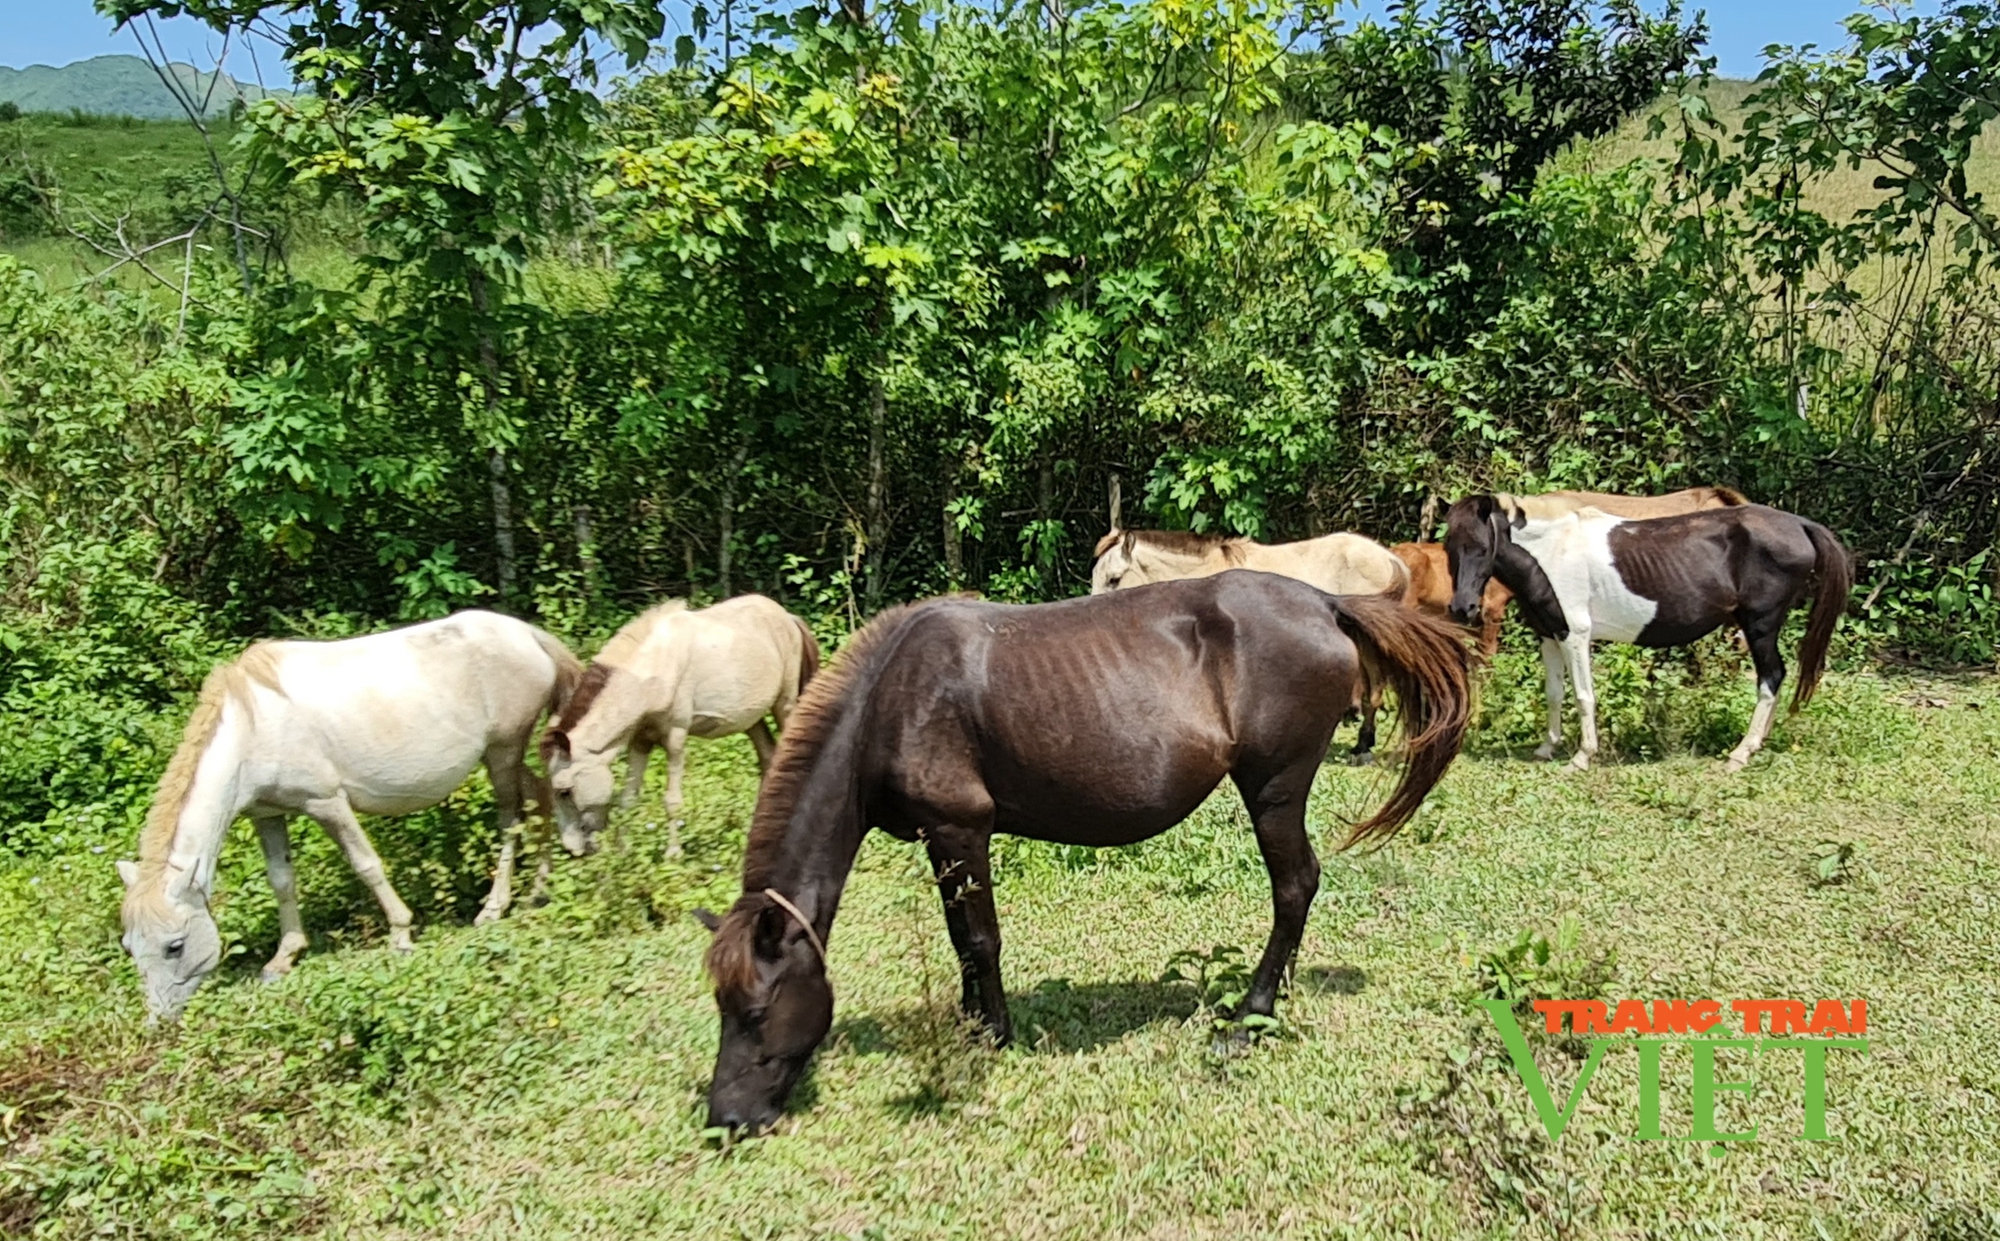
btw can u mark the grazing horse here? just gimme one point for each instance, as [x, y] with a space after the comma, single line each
[667, 675]
[385, 724]
[1095, 721]
[1339, 564]
[1430, 568]
[1430, 591]
[1660, 582]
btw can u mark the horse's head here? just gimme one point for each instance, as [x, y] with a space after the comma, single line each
[582, 783]
[776, 1004]
[172, 938]
[1476, 531]
[1116, 564]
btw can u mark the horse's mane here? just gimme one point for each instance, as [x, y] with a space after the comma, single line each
[258, 665]
[616, 654]
[1178, 542]
[731, 961]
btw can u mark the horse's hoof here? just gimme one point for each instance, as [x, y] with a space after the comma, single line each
[401, 943]
[1544, 753]
[487, 916]
[1361, 758]
[1581, 762]
[268, 975]
[1734, 765]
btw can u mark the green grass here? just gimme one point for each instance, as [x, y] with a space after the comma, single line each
[544, 1077]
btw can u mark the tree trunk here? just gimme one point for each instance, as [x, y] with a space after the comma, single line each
[878, 487]
[1045, 500]
[954, 547]
[496, 455]
[725, 520]
[1115, 502]
[586, 550]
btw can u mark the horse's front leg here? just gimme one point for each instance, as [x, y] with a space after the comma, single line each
[1552, 684]
[337, 817]
[959, 858]
[1576, 653]
[277, 842]
[505, 769]
[760, 740]
[1277, 806]
[637, 751]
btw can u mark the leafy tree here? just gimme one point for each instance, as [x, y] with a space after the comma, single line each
[1492, 89]
[455, 125]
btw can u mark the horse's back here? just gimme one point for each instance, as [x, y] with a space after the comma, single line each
[729, 662]
[1339, 564]
[463, 679]
[1109, 718]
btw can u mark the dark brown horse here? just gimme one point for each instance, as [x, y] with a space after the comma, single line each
[1585, 575]
[1098, 721]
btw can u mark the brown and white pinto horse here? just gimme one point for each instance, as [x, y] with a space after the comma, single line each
[1586, 575]
[1430, 569]
[1096, 721]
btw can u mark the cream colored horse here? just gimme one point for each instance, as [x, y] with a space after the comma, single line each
[669, 674]
[385, 724]
[1339, 564]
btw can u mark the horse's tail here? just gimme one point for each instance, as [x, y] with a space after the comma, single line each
[808, 654]
[1836, 579]
[569, 670]
[1426, 663]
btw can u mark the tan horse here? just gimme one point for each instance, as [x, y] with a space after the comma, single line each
[385, 724]
[669, 674]
[1554, 504]
[1339, 564]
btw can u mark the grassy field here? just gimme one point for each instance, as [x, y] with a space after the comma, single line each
[544, 1077]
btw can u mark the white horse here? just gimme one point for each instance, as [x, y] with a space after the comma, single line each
[669, 674]
[385, 724]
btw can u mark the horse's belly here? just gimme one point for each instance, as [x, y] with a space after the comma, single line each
[396, 789]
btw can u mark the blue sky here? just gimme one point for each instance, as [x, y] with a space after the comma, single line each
[56, 32]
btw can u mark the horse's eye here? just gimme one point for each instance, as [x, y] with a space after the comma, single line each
[754, 1016]
[174, 949]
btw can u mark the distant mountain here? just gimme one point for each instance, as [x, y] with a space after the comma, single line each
[118, 86]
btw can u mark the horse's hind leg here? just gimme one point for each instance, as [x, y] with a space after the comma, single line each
[1371, 698]
[277, 842]
[1278, 809]
[504, 767]
[337, 817]
[1762, 634]
[1552, 678]
[965, 885]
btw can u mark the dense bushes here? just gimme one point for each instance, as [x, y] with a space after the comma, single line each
[852, 311]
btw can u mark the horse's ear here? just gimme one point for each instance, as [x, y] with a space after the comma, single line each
[555, 742]
[768, 933]
[128, 872]
[708, 919]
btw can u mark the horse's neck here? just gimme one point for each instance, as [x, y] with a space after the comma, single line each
[628, 698]
[216, 795]
[822, 829]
